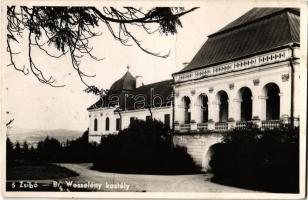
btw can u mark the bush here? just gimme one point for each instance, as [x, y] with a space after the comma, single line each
[261, 160]
[51, 150]
[144, 147]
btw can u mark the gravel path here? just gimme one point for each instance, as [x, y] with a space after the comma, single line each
[146, 183]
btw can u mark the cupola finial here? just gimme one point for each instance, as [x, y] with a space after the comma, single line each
[128, 67]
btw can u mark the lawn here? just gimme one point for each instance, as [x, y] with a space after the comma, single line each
[37, 171]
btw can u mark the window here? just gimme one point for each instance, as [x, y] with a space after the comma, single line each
[118, 124]
[148, 118]
[95, 124]
[204, 108]
[223, 100]
[246, 104]
[187, 115]
[272, 101]
[167, 120]
[107, 124]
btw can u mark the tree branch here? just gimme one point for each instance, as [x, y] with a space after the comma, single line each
[148, 18]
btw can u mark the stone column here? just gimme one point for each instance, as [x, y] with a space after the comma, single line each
[285, 105]
[285, 96]
[235, 109]
[259, 107]
[178, 111]
[234, 112]
[213, 112]
[195, 109]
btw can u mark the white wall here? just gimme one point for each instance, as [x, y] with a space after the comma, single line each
[102, 113]
[158, 114]
[271, 72]
[265, 74]
[198, 147]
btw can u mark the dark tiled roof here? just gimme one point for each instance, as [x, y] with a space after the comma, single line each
[260, 29]
[152, 94]
[254, 15]
[97, 104]
[127, 82]
[155, 94]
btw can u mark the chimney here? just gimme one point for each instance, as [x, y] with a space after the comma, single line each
[139, 81]
[185, 63]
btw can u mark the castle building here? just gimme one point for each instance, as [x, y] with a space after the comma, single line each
[128, 99]
[246, 73]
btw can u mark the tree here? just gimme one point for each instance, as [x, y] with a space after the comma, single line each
[49, 149]
[69, 29]
[32, 154]
[25, 150]
[9, 149]
[18, 151]
[25, 146]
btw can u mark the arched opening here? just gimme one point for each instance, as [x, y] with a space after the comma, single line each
[223, 106]
[210, 149]
[95, 124]
[107, 124]
[272, 102]
[204, 108]
[187, 114]
[246, 104]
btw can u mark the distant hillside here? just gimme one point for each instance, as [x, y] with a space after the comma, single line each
[34, 136]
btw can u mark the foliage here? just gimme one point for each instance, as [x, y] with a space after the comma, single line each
[261, 160]
[145, 147]
[51, 150]
[48, 149]
[58, 31]
[9, 148]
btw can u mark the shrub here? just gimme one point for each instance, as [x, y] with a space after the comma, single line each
[51, 150]
[261, 160]
[144, 147]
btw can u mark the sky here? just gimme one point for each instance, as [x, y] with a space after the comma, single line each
[37, 106]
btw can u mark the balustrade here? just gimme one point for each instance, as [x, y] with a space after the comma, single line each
[244, 124]
[202, 126]
[224, 126]
[221, 126]
[270, 124]
[185, 127]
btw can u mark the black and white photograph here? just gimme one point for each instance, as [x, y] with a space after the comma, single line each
[154, 99]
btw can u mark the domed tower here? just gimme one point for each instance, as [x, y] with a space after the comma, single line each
[126, 83]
